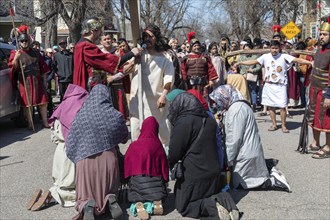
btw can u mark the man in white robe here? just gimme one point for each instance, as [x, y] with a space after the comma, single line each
[150, 83]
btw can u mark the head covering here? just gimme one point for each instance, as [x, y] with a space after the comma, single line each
[146, 155]
[97, 127]
[326, 25]
[73, 100]
[243, 42]
[23, 37]
[91, 24]
[62, 42]
[185, 104]
[193, 42]
[200, 98]
[239, 82]
[23, 28]
[225, 96]
[55, 47]
[49, 50]
[171, 95]
[276, 30]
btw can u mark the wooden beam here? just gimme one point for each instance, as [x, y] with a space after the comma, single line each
[135, 20]
[263, 51]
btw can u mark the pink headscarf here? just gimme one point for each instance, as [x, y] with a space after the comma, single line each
[73, 100]
[146, 155]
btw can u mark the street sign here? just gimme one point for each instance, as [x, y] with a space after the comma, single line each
[290, 30]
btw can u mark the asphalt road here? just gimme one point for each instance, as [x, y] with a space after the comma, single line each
[26, 163]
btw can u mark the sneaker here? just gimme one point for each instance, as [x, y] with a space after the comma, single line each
[280, 183]
[222, 212]
[274, 169]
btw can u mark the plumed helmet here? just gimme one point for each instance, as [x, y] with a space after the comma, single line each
[23, 37]
[91, 24]
[326, 25]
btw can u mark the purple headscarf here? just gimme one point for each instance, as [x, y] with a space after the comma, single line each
[73, 100]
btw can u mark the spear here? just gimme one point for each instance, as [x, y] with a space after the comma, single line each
[12, 14]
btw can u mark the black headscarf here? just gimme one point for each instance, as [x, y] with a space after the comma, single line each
[185, 104]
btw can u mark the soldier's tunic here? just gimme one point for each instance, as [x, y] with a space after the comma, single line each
[318, 116]
[34, 67]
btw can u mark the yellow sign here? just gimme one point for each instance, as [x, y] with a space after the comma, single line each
[290, 30]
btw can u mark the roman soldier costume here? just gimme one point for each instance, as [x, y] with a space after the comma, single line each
[197, 68]
[319, 117]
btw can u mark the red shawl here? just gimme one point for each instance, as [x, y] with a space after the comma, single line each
[146, 155]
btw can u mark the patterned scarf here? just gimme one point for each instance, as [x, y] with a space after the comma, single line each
[97, 127]
[225, 96]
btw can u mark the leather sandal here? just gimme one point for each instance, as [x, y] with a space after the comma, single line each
[141, 212]
[321, 154]
[44, 200]
[158, 208]
[34, 199]
[272, 128]
[313, 148]
[114, 207]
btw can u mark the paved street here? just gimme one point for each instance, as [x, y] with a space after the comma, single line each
[26, 163]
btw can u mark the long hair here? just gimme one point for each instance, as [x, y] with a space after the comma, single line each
[121, 40]
[161, 44]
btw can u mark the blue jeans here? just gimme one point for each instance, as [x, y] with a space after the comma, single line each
[253, 91]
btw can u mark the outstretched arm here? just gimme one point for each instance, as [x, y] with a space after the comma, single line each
[303, 61]
[246, 62]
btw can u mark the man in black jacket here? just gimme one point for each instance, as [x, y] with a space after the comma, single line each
[64, 65]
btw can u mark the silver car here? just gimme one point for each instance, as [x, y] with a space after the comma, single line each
[9, 104]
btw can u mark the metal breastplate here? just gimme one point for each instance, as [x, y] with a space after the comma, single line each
[320, 72]
[30, 63]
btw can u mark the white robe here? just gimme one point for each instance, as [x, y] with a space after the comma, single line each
[63, 190]
[157, 70]
[244, 148]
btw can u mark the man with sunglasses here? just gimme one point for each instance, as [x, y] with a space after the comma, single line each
[35, 72]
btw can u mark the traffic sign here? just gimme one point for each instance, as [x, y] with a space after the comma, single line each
[290, 30]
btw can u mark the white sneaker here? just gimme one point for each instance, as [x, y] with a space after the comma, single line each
[222, 212]
[276, 170]
[280, 182]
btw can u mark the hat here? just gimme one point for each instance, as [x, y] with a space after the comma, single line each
[194, 41]
[55, 47]
[243, 42]
[289, 42]
[23, 37]
[173, 94]
[326, 26]
[257, 41]
[62, 42]
[49, 50]
[91, 24]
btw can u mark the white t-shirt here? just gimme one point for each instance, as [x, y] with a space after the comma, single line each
[276, 67]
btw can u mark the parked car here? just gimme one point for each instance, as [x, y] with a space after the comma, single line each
[9, 103]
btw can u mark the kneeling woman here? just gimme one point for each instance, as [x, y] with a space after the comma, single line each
[201, 169]
[146, 167]
[96, 131]
[243, 144]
